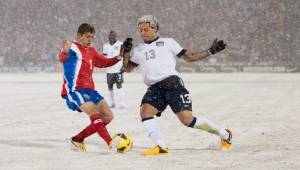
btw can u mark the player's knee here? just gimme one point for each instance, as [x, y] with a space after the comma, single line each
[107, 114]
[146, 114]
[192, 123]
[186, 123]
[109, 118]
[105, 120]
[185, 117]
[147, 110]
[189, 122]
[106, 117]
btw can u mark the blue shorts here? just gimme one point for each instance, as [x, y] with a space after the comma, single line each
[76, 98]
[170, 91]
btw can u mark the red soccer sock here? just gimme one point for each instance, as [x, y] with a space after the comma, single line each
[88, 131]
[99, 126]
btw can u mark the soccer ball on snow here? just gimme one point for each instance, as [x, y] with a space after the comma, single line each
[125, 142]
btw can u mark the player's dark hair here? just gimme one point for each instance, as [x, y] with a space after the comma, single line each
[85, 27]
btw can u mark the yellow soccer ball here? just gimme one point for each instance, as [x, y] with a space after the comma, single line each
[125, 142]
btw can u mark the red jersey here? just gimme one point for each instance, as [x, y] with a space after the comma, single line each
[78, 66]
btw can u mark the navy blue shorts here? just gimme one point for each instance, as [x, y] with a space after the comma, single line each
[170, 91]
[76, 98]
[114, 78]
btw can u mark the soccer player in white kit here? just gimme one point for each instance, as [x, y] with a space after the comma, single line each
[156, 59]
[114, 74]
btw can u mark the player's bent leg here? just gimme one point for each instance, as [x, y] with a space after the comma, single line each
[97, 120]
[147, 114]
[147, 110]
[186, 117]
[89, 108]
[86, 132]
[78, 140]
[105, 111]
[100, 127]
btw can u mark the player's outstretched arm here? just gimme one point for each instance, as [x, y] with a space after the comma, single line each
[195, 56]
[217, 46]
[102, 61]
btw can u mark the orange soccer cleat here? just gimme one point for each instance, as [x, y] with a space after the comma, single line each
[225, 144]
[156, 150]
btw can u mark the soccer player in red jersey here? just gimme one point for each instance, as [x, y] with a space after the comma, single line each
[78, 89]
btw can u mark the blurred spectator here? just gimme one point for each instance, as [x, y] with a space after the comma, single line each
[257, 32]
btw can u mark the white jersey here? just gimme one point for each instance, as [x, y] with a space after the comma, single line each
[157, 59]
[111, 51]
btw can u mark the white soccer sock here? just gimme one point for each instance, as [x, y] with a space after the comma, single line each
[207, 125]
[112, 97]
[153, 132]
[120, 94]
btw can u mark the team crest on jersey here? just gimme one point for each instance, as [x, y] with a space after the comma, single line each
[160, 43]
[86, 96]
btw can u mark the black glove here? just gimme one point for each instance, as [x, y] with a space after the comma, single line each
[217, 46]
[127, 45]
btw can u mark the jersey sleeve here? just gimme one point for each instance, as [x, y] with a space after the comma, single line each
[175, 48]
[101, 61]
[134, 58]
[62, 56]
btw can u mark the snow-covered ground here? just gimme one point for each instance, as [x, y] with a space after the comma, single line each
[262, 110]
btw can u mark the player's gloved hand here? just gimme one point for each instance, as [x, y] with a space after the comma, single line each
[127, 45]
[217, 46]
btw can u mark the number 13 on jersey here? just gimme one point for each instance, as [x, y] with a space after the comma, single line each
[150, 54]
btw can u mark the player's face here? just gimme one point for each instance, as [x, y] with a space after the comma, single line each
[112, 37]
[85, 39]
[147, 33]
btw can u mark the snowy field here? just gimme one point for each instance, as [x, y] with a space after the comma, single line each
[263, 110]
